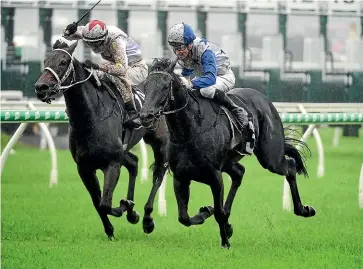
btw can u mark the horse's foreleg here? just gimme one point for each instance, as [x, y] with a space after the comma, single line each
[219, 214]
[111, 176]
[90, 180]
[131, 163]
[160, 167]
[182, 193]
[236, 172]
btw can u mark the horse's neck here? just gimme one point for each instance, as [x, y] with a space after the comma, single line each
[81, 99]
[183, 124]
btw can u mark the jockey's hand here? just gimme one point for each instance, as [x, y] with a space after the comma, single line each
[89, 64]
[71, 29]
[186, 83]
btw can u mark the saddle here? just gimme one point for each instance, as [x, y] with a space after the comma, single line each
[243, 142]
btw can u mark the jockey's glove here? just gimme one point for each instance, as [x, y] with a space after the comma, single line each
[89, 64]
[186, 83]
[70, 29]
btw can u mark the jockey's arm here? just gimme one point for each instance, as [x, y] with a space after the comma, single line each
[209, 64]
[186, 72]
[119, 66]
[77, 35]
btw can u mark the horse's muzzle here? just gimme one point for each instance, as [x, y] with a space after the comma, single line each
[147, 120]
[42, 90]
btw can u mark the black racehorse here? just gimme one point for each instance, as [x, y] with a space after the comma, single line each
[202, 144]
[96, 115]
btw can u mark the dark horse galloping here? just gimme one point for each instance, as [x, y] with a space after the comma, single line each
[96, 131]
[200, 147]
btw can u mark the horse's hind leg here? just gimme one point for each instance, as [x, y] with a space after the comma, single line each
[270, 152]
[236, 172]
[160, 166]
[131, 164]
[219, 213]
[90, 180]
[299, 208]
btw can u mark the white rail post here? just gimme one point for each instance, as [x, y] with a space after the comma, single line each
[145, 170]
[336, 137]
[162, 198]
[11, 144]
[360, 191]
[53, 153]
[319, 144]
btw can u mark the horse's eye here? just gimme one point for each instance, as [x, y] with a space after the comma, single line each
[63, 62]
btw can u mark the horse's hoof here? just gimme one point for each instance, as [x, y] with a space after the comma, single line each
[133, 218]
[229, 230]
[310, 211]
[110, 235]
[126, 204]
[116, 212]
[226, 245]
[148, 226]
[207, 209]
[110, 238]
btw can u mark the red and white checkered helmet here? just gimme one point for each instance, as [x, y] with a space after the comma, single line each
[94, 31]
[94, 35]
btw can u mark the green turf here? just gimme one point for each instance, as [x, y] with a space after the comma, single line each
[58, 227]
[5, 139]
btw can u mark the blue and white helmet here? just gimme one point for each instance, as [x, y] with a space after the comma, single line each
[180, 34]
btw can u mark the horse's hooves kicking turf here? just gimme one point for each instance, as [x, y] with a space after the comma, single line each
[148, 225]
[133, 218]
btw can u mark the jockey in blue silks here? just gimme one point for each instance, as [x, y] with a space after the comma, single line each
[209, 65]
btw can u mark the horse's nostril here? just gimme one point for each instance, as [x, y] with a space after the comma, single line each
[146, 116]
[39, 88]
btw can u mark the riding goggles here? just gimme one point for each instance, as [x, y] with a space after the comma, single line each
[95, 44]
[177, 46]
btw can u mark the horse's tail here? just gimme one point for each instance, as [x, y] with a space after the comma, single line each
[298, 155]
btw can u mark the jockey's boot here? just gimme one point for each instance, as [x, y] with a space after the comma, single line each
[239, 112]
[134, 119]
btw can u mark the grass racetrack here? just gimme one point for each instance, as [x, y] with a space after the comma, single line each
[58, 227]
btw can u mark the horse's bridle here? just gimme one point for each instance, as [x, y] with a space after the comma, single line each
[170, 98]
[58, 87]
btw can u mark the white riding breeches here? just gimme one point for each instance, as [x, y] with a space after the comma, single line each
[137, 72]
[223, 83]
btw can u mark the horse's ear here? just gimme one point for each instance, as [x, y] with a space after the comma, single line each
[172, 66]
[72, 47]
[60, 44]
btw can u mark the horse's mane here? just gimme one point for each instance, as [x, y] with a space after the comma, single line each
[160, 64]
